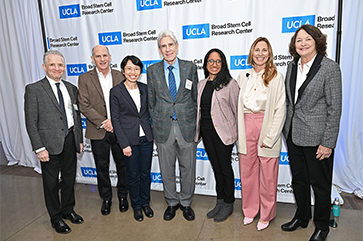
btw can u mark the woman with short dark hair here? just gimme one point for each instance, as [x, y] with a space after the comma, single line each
[131, 123]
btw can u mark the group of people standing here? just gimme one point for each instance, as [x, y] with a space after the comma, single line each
[175, 111]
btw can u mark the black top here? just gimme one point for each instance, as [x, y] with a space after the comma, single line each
[205, 106]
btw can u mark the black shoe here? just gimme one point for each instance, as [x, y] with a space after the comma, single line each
[169, 213]
[294, 224]
[74, 217]
[188, 213]
[138, 215]
[148, 211]
[106, 207]
[61, 227]
[124, 205]
[319, 235]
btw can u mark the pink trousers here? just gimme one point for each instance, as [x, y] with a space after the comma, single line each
[258, 174]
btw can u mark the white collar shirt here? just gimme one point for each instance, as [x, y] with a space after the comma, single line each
[106, 84]
[66, 98]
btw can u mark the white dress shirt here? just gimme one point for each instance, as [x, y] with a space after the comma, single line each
[67, 99]
[255, 96]
[106, 84]
[301, 75]
[135, 95]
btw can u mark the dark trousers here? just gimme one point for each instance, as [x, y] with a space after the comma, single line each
[220, 158]
[101, 154]
[66, 162]
[138, 173]
[308, 171]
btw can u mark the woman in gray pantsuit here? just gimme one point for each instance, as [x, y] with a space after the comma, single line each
[314, 101]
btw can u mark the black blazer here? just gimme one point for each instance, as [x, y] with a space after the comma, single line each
[126, 120]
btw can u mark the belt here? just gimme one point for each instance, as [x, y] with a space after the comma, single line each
[70, 129]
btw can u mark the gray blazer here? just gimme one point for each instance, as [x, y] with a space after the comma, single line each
[314, 118]
[43, 117]
[161, 104]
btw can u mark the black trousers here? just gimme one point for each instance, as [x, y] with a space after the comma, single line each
[220, 158]
[66, 163]
[308, 171]
[101, 153]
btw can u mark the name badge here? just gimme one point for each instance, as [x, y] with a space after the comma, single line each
[188, 84]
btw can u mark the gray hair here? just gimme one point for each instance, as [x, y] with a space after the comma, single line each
[50, 52]
[93, 53]
[166, 33]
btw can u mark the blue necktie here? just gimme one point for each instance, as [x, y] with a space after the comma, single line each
[61, 105]
[172, 86]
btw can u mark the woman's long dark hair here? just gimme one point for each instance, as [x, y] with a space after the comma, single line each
[223, 77]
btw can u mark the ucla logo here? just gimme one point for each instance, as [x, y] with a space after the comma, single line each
[196, 31]
[240, 62]
[237, 184]
[201, 154]
[284, 159]
[69, 11]
[291, 24]
[76, 69]
[147, 63]
[84, 123]
[89, 172]
[112, 38]
[148, 4]
[156, 177]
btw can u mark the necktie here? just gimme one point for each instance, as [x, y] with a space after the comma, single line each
[172, 86]
[61, 105]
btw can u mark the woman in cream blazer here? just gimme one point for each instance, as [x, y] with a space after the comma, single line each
[261, 116]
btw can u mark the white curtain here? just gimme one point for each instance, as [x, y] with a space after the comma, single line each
[21, 51]
[348, 165]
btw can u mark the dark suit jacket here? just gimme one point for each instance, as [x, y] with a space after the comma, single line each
[315, 117]
[44, 118]
[126, 119]
[161, 104]
[92, 102]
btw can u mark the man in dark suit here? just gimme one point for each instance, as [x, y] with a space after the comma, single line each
[54, 126]
[172, 88]
[94, 103]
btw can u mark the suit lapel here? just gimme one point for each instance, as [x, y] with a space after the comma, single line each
[312, 72]
[293, 82]
[143, 99]
[96, 82]
[183, 78]
[161, 75]
[48, 89]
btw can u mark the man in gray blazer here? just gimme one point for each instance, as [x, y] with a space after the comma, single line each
[54, 126]
[172, 88]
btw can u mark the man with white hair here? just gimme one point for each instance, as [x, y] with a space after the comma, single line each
[172, 88]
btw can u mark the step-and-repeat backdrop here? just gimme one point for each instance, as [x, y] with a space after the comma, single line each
[131, 28]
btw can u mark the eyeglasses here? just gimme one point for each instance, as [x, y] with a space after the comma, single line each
[212, 61]
[129, 69]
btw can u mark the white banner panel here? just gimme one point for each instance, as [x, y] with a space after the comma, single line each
[131, 27]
